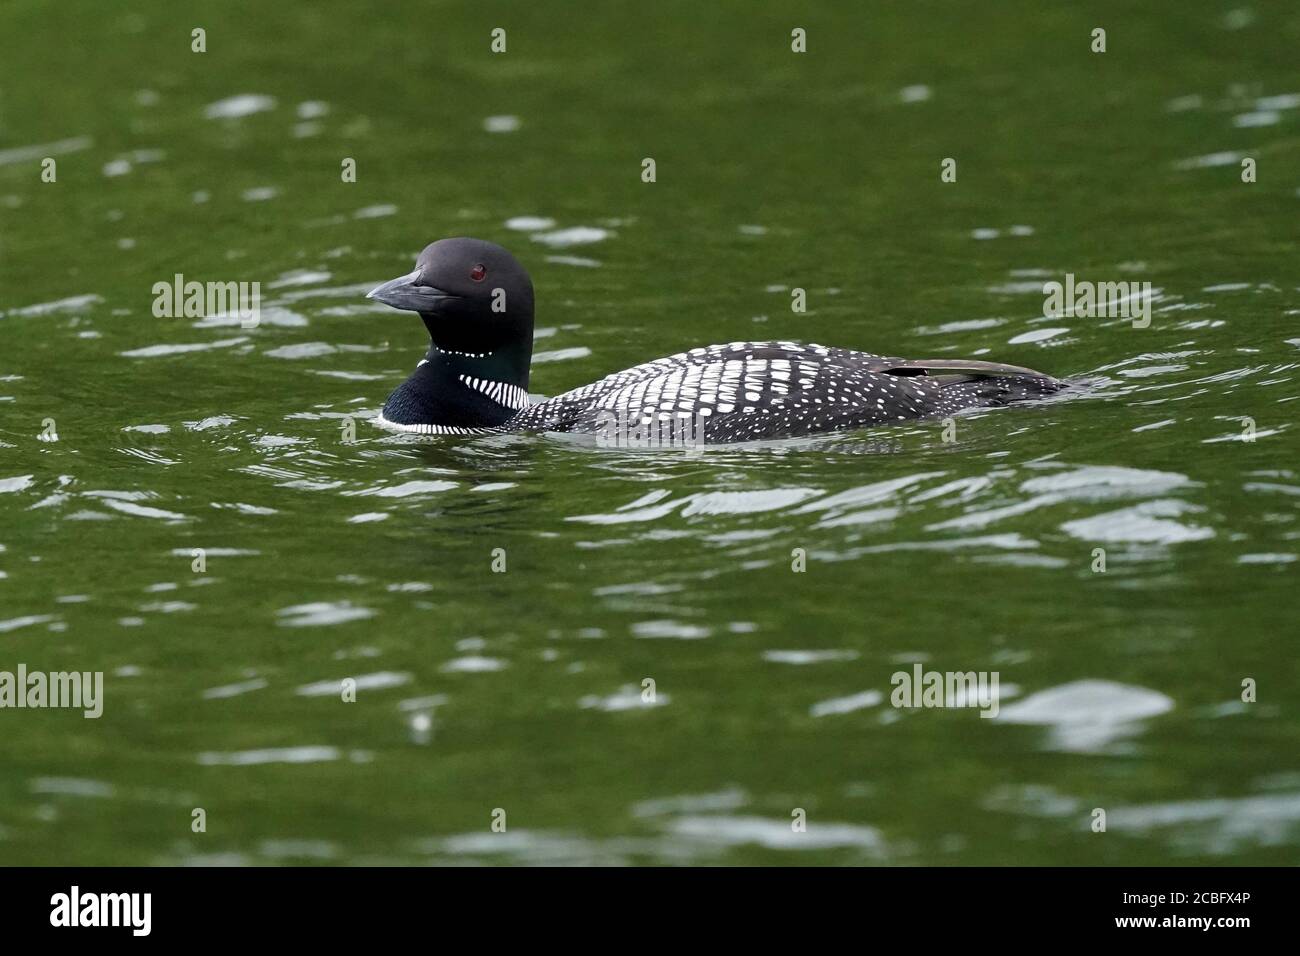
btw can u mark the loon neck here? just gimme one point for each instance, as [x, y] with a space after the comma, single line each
[454, 391]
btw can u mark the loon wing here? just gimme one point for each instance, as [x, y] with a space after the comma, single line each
[577, 405]
[743, 391]
[969, 368]
[960, 371]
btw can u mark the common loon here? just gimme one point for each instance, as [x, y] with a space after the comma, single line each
[476, 300]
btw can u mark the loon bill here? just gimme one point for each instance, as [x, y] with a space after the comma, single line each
[476, 300]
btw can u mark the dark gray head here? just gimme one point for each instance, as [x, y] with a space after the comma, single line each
[473, 296]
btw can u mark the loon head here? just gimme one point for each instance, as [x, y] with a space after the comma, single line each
[476, 300]
[473, 296]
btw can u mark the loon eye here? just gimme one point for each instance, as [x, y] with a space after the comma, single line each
[478, 272]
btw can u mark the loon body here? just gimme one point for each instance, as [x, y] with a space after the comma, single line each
[476, 301]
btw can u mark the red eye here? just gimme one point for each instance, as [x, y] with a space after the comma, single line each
[478, 272]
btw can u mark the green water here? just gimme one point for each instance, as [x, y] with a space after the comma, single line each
[373, 560]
